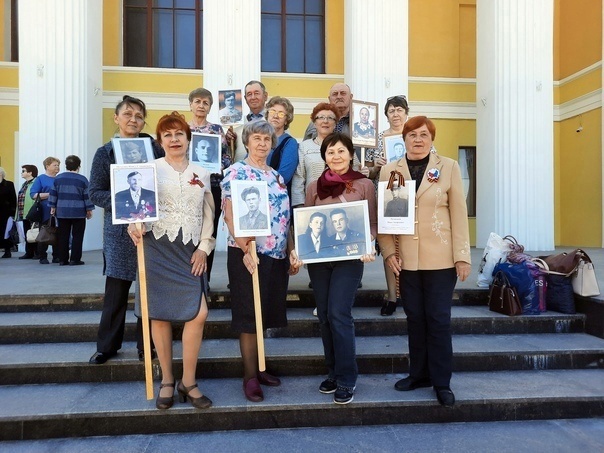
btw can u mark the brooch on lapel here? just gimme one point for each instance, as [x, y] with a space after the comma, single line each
[433, 175]
[196, 181]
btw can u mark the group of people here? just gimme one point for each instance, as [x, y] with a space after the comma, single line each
[323, 170]
[64, 202]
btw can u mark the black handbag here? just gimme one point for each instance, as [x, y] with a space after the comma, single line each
[48, 233]
[36, 212]
[503, 297]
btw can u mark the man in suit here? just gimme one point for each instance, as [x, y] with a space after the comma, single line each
[134, 201]
[399, 205]
[345, 242]
[254, 219]
[314, 242]
[399, 151]
[229, 114]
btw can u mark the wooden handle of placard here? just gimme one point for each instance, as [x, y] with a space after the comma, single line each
[362, 157]
[258, 310]
[142, 278]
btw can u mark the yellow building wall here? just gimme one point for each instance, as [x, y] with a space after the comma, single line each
[8, 126]
[112, 32]
[442, 38]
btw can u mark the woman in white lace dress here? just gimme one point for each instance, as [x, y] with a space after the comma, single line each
[176, 251]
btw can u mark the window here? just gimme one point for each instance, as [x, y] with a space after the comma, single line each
[163, 33]
[467, 162]
[14, 30]
[293, 36]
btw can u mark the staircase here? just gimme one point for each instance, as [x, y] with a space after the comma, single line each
[522, 368]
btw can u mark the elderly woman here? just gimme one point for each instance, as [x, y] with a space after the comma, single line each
[42, 186]
[335, 283]
[363, 128]
[310, 164]
[8, 206]
[396, 111]
[284, 156]
[200, 103]
[176, 252]
[272, 266]
[119, 254]
[24, 204]
[70, 202]
[431, 260]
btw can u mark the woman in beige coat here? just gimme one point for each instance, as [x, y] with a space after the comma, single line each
[431, 259]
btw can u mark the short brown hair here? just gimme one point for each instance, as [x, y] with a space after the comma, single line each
[49, 160]
[419, 121]
[286, 104]
[174, 120]
[201, 93]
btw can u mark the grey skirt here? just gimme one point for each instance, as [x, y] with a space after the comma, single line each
[173, 293]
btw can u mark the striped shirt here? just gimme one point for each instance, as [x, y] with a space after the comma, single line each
[70, 196]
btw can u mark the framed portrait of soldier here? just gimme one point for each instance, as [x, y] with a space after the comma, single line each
[333, 232]
[135, 150]
[250, 208]
[364, 124]
[395, 147]
[204, 150]
[230, 107]
[396, 207]
[133, 193]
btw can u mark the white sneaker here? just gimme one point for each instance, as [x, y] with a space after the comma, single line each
[314, 312]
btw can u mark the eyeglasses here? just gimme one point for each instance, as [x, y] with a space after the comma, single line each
[24, 171]
[273, 112]
[325, 118]
[398, 96]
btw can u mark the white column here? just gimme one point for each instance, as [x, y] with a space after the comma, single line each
[60, 86]
[514, 97]
[231, 46]
[376, 41]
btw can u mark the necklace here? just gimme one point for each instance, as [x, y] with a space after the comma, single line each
[262, 167]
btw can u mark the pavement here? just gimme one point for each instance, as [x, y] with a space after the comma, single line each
[29, 277]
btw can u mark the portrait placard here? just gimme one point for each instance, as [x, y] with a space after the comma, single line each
[231, 107]
[250, 208]
[332, 232]
[205, 151]
[137, 150]
[396, 208]
[364, 124]
[133, 193]
[395, 147]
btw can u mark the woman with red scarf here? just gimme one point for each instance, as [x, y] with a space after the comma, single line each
[335, 283]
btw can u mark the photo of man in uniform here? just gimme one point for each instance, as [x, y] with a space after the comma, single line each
[345, 242]
[399, 205]
[230, 114]
[399, 152]
[133, 152]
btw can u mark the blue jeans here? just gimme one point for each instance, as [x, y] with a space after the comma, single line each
[427, 296]
[334, 286]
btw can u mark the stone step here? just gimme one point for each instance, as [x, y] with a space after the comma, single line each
[73, 326]
[218, 299]
[120, 408]
[68, 362]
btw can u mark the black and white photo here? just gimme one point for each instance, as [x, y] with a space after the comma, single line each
[132, 150]
[250, 208]
[364, 123]
[332, 232]
[396, 207]
[204, 150]
[133, 193]
[231, 107]
[395, 147]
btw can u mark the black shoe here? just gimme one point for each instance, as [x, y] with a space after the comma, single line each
[7, 254]
[141, 355]
[445, 396]
[388, 308]
[64, 264]
[76, 263]
[360, 285]
[56, 260]
[44, 261]
[98, 358]
[343, 395]
[409, 383]
[26, 257]
[328, 386]
[310, 285]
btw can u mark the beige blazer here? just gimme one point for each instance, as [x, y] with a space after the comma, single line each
[441, 236]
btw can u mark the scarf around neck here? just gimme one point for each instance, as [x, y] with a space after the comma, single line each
[331, 184]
